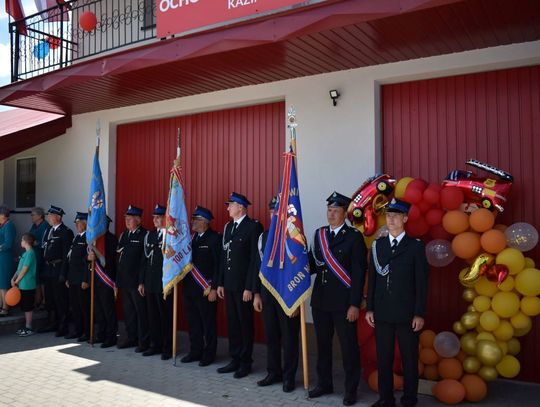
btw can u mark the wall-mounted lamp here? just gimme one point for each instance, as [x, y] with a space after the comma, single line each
[334, 94]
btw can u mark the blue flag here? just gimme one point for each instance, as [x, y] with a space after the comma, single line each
[97, 224]
[285, 265]
[177, 242]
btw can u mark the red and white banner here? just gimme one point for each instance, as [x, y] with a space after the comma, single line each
[178, 16]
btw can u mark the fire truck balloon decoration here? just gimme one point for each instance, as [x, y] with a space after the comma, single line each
[457, 219]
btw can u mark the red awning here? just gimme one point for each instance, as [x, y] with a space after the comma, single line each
[21, 129]
[337, 36]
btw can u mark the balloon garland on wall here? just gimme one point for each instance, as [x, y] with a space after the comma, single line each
[458, 219]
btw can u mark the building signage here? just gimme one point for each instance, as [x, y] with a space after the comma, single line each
[185, 16]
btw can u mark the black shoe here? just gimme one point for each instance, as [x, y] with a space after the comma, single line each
[82, 338]
[270, 378]
[70, 336]
[127, 344]
[141, 348]
[231, 367]
[242, 371]
[288, 386]
[108, 344]
[61, 332]
[205, 362]
[383, 403]
[151, 352]
[166, 356]
[349, 399]
[319, 391]
[190, 358]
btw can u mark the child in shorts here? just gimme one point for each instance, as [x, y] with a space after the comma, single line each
[25, 279]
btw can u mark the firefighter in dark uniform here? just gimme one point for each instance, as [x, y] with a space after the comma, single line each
[78, 280]
[105, 293]
[339, 259]
[57, 242]
[130, 262]
[238, 266]
[397, 292]
[160, 311]
[201, 308]
[280, 329]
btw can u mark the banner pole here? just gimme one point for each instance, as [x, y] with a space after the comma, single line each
[291, 124]
[175, 315]
[92, 268]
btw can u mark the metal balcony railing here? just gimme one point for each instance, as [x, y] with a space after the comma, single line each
[60, 36]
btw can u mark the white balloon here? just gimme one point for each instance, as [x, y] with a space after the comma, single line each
[446, 344]
[439, 253]
[522, 236]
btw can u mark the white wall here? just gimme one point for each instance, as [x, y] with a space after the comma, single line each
[338, 146]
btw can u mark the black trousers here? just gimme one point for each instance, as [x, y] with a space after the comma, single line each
[135, 317]
[325, 323]
[280, 331]
[240, 327]
[104, 308]
[201, 316]
[57, 300]
[385, 334]
[160, 316]
[79, 302]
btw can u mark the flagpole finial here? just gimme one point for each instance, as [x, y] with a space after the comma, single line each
[98, 132]
[178, 142]
[291, 118]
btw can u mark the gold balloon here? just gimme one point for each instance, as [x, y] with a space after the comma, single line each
[488, 373]
[471, 364]
[471, 308]
[459, 328]
[477, 269]
[468, 343]
[462, 280]
[469, 294]
[488, 352]
[470, 319]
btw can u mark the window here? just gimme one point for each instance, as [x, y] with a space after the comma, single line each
[26, 183]
[149, 14]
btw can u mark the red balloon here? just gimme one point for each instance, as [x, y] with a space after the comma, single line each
[412, 195]
[414, 213]
[370, 350]
[417, 228]
[424, 206]
[451, 198]
[438, 232]
[434, 216]
[432, 193]
[88, 21]
[418, 184]
[365, 331]
[54, 42]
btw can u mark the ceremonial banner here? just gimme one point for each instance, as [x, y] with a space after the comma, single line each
[97, 223]
[285, 265]
[177, 241]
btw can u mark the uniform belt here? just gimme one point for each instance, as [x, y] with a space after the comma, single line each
[51, 262]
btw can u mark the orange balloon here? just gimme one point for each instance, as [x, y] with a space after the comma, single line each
[428, 356]
[398, 382]
[427, 338]
[373, 381]
[493, 241]
[500, 227]
[461, 356]
[450, 368]
[466, 245]
[482, 220]
[431, 372]
[449, 391]
[475, 387]
[420, 368]
[13, 296]
[455, 222]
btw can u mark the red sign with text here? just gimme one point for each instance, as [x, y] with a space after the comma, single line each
[178, 16]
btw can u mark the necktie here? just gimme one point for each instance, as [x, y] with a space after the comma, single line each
[394, 244]
[332, 235]
[234, 228]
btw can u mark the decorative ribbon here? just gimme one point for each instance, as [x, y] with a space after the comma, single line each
[330, 260]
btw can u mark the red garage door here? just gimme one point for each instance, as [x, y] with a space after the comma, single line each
[433, 126]
[237, 149]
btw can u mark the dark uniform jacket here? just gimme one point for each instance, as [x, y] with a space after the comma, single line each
[206, 252]
[239, 261]
[152, 272]
[329, 293]
[111, 244]
[56, 248]
[78, 264]
[130, 258]
[401, 294]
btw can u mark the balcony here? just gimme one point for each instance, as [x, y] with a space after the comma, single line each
[76, 30]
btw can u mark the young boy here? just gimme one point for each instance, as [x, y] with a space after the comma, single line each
[25, 279]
